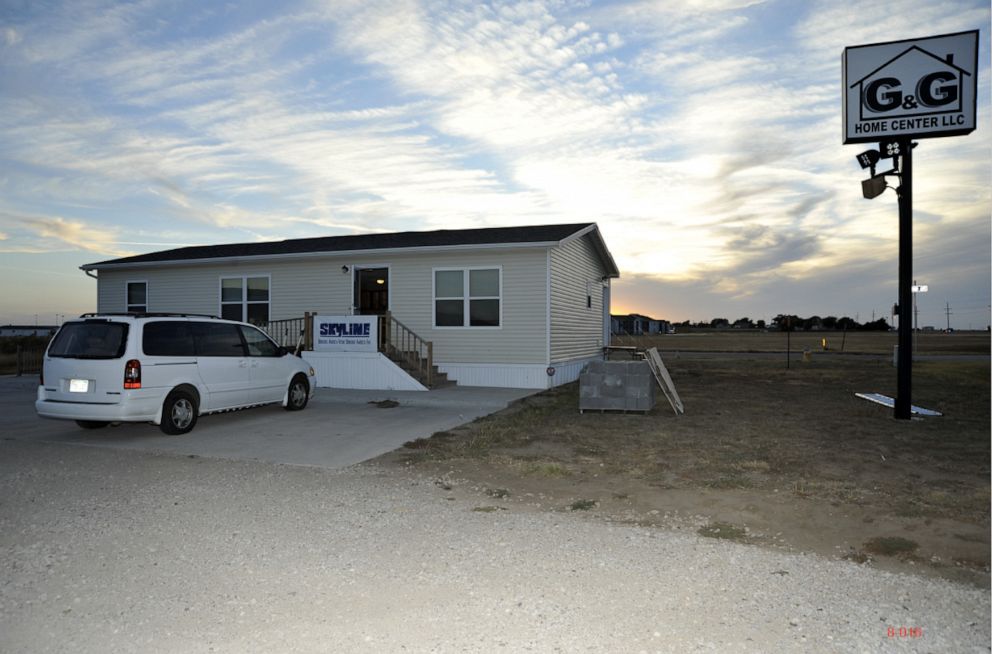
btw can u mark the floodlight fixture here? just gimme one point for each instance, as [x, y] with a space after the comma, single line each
[889, 148]
[868, 159]
[873, 186]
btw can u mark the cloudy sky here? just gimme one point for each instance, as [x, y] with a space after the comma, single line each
[704, 136]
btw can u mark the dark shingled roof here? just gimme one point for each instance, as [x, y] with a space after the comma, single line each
[439, 238]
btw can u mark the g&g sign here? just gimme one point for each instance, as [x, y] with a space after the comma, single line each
[919, 88]
[345, 333]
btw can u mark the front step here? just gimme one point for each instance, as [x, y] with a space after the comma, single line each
[403, 360]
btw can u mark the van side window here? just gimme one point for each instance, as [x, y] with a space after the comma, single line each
[258, 343]
[168, 338]
[218, 339]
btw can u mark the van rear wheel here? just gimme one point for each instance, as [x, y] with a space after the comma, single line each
[178, 413]
[92, 424]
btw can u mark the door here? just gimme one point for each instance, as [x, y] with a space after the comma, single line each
[371, 291]
[268, 369]
[223, 365]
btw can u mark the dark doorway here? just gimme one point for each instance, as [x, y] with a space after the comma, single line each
[371, 291]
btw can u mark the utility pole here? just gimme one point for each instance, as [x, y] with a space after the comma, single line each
[947, 311]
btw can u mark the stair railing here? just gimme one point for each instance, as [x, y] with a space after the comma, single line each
[399, 342]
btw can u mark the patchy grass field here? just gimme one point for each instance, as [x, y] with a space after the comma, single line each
[765, 455]
[734, 340]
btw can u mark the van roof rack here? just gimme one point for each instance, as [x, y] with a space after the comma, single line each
[142, 314]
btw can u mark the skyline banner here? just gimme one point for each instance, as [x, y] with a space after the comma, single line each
[345, 333]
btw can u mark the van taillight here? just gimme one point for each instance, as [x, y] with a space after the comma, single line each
[132, 374]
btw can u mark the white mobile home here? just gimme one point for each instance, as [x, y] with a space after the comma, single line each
[517, 306]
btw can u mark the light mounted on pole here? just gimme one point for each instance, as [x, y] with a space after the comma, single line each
[875, 185]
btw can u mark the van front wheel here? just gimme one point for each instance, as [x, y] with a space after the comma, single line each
[178, 413]
[298, 394]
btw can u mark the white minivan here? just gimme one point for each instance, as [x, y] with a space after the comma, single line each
[166, 369]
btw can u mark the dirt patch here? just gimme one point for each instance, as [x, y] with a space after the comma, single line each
[790, 458]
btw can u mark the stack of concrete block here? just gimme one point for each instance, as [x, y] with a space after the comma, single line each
[616, 386]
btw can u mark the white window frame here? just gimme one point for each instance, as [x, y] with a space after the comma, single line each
[466, 298]
[244, 294]
[127, 284]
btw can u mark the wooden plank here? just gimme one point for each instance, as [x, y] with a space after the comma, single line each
[664, 380]
[887, 401]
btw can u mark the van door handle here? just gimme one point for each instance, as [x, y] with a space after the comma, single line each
[243, 364]
[254, 364]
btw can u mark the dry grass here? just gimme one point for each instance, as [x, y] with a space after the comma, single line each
[752, 424]
[765, 454]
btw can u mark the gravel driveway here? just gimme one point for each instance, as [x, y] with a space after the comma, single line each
[124, 551]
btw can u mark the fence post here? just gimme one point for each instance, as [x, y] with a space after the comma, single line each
[430, 364]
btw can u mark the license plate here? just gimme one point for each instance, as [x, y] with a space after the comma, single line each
[79, 386]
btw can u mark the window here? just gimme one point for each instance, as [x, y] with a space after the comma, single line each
[136, 297]
[259, 344]
[92, 339]
[168, 339]
[218, 339]
[245, 299]
[469, 297]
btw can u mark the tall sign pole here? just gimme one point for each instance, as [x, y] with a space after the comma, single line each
[904, 383]
[893, 94]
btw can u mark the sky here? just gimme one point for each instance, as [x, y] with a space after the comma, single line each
[703, 136]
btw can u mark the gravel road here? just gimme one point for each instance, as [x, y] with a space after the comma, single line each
[122, 551]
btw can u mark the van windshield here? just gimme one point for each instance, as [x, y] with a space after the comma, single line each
[92, 339]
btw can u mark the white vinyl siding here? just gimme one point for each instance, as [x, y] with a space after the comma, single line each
[320, 285]
[576, 301]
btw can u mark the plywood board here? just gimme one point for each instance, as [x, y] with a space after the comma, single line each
[664, 380]
[885, 400]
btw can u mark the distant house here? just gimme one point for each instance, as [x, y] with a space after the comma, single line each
[26, 330]
[635, 324]
[511, 306]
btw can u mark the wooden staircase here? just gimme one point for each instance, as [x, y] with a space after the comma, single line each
[409, 351]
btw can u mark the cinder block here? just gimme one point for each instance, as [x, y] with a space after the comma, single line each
[589, 392]
[613, 403]
[616, 386]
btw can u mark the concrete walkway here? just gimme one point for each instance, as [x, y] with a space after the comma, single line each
[339, 428]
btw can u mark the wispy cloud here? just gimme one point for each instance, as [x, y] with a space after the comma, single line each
[54, 233]
[703, 136]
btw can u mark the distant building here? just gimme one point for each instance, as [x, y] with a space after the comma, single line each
[635, 324]
[7, 331]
